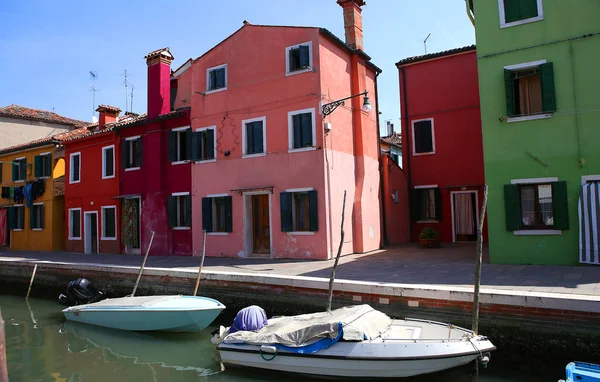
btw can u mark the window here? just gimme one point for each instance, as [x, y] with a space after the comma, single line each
[217, 214]
[253, 136]
[16, 217]
[529, 89]
[180, 210]
[536, 204]
[204, 144]
[36, 216]
[301, 130]
[299, 58]
[74, 223]
[516, 12]
[19, 170]
[42, 165]
[180, 144]
[216, 78]
[108, 162]
[132, 153]
[109, 223]
[426, 204]
[423, 137]
[75, 168]
[299, 211]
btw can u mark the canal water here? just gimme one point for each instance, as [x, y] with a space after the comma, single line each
[41, 346]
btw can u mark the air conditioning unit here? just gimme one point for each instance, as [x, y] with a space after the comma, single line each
[327, 127]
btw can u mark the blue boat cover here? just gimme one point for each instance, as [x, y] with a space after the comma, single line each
[250, 318]
[315, 347]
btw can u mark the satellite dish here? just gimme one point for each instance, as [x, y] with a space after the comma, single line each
[94, 119]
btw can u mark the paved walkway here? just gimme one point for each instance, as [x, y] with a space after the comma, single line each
[407, 264]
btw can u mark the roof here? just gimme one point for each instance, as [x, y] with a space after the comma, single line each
[54, 139]
[412, 60]
[91, 129]
[108, 108]
[394, 139]
[21, 112]
[160, 52]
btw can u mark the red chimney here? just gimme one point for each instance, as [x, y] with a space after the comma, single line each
[159, 82]
[108, 114]
[353, 22]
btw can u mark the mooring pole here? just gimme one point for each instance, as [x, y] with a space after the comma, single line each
[479, 260]
[201, 262]
[143, 265]
[337, 258]
[31, 281]
[3, 368]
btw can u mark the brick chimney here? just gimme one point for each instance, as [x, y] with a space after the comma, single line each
[108, 114]
[159, 82]
[353, 22]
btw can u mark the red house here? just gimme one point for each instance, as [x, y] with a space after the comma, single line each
[442, 151]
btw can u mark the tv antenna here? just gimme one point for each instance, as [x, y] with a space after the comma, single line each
[425, 42]
[94, 77]
[131, 103]
[126, 93]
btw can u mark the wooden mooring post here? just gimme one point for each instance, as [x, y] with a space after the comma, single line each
[478, 261]
[3, 368]
[337, 258]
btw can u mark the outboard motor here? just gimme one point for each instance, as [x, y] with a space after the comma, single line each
[79, 292]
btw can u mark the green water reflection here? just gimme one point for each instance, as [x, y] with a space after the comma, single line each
[41, 346]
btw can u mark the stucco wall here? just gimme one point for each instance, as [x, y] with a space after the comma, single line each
[16, 131]
[395, 202]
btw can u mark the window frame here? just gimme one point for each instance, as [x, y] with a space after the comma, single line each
[310, 59]
[214, 129]
[525, 66]
[429, 187]
[71, 156]
[291, 115]
[295, 232]
[128, 141]
[502, 14]
[20, 161]
[178, 200]
[178, 131]
[214, 215]
[208, 70]
[414, 146]
[244, 141]
[71, 223]
[103, 225]
[42, 227]
[535, 231]
[19, 216]
[47, 153]
[104, 157]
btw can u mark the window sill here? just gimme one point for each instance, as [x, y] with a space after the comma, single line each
[17, 229]
[215, 90]
[217, 233]
[180, 162]
[301, 233]
[420, 154]
[537, 232]
[108, 238]
[75, 238]
[19, 181]
[521, 22]
[288, 73]
[303, 149]
[205, 161]
[427, 221]
[528, 117]
[132, 169]
[74, 181]
[37, 229]
[253, 155]
[108, 177]
[180, 228]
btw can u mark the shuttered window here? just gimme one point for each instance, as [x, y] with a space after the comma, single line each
[299, 57]
[423, 136]
[42, 165]
[74, 224]
[515, 10]
[217, 214]
[536, 206]
[180, 145]
[302, 130]
[179, 211]
[16, 217]
[203, 144]
[299, 211]
[530, 91]
[254, 137]
[19, 169]
[426, 204]
[109, 223]
[217, 78]
[131, 153]
[36, 216]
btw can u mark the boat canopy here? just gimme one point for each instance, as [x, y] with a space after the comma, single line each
[355, 323]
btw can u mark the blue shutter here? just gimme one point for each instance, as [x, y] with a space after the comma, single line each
[207, 214]
[285, 207]
[313, 211]
[210, 144]
[307, 138]
[228, 214]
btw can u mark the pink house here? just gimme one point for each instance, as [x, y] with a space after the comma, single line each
[271, 162]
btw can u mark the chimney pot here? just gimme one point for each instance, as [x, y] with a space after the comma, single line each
[108, 114]
[353, 22]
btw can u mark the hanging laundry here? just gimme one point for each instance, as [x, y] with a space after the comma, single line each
[28, 194]
[18, 195]
[38, 188]
[5, 192]
[11, 193]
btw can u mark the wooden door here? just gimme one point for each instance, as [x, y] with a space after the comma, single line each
[261, 236]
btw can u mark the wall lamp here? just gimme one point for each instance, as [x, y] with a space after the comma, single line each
[328, 108]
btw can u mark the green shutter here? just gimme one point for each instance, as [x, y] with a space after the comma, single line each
[187, 200]
[313, 211]
[47, 165]
[512, 207]
[23, 169]
[172, 211]
[196, 139]
[561, 205]
[528, 9]
[228, 214]
[1, 171]
[15, 170]
[125, 153]
[22, 225]
[293, 64]
[207, 214]
[512, 11]
[548, 91]
[37, 166]
[285, 201]
[172, 146]
[140, 153]
[32, 217]
[188, 144]
[42, 217]
[12, 217]
[509, 92]
[437, 194]
[210, 144]
[415, 211]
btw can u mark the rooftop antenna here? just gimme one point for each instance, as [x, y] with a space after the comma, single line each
[131, 103]
[94, 77]
[126, 93]
[425, 42]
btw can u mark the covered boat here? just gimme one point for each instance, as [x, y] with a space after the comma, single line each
[356, 341]
[582, 371]
[149, 313]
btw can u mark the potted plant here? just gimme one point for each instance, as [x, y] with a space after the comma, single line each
[429, 238]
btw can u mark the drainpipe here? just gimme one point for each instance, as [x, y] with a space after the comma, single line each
[383, 234]
[408, 148]
[469, 12]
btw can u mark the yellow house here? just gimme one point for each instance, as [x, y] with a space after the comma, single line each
[32, 206]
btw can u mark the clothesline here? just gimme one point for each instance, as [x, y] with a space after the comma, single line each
[29, 192]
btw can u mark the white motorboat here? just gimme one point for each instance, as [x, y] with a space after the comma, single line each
[149, 313]
[356, 341]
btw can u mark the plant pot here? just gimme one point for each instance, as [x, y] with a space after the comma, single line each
[430, 243]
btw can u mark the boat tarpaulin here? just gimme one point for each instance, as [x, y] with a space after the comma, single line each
[589, 223]
[357, 323]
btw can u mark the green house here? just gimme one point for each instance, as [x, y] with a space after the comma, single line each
[539, 84]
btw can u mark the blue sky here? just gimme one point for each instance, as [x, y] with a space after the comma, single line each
[50, 47]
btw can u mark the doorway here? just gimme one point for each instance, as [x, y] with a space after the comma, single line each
[90, 231]
[464, 216]
[261, 227]
[130, 226]
[4, 229]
